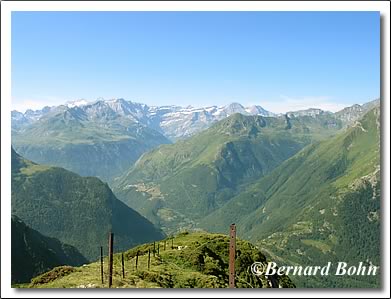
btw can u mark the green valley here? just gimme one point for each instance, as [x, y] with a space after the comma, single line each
[175, 186]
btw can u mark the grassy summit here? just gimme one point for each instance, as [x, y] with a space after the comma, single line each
[197, 260]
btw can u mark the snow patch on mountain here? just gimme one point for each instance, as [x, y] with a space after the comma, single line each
[76, 103]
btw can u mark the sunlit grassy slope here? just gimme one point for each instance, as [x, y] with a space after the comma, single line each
[196, 260]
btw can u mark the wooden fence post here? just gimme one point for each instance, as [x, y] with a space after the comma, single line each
[136, 259]
[123, 265]
[232, 251]
[111, 244]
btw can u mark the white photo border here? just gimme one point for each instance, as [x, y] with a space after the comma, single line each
[6, 10]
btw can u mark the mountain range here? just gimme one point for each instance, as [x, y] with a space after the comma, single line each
[105, 138]
[174, 122]
[95, 141]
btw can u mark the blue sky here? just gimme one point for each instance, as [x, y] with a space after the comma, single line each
[279, 60]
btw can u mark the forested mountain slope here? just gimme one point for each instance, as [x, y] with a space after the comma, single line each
[79, 211]
[32, 253]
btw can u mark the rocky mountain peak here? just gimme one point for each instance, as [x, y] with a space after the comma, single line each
[234, 108]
